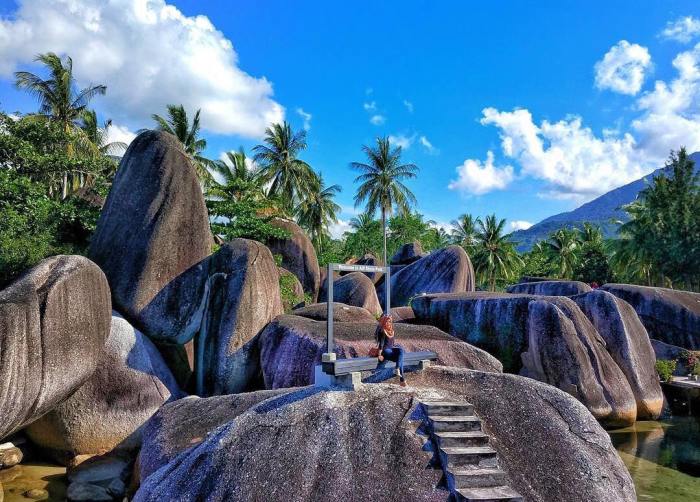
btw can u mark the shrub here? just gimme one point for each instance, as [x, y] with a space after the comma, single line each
[696, 368]
[665, 369]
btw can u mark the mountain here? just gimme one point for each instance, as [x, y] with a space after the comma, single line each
[602, 211]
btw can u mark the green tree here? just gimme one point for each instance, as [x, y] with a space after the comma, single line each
[381, 183]
[177, 123]
[59, 99]
[495, 256]
[406, 228]
[98, 136]
[664, 223]
[239, 180]
[437, 238]
[563, 245]
[63, 104]
[464, 231]
[365, 237]
[318, 210]
[291, 178]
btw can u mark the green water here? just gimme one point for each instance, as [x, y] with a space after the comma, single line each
[663, 458]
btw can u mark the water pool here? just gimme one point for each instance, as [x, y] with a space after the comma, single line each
[663, 458]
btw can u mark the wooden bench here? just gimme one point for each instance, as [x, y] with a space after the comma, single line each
[359, 364]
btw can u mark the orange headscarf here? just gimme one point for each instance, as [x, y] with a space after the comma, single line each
[384, 321]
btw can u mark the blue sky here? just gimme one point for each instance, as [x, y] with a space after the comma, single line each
[442, 78]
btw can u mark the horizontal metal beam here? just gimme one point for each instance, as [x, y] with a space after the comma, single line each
[357, 268]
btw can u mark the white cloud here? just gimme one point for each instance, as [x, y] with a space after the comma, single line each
[427, 144]
[408, 105]
[477, 178]
[377, 119]
[520, 225]
[149, 54]
[338, 229]
[116, 132]
[671, 112]
[306, 116]
[569, 157]
[402, 140]
[370, 106]
[683, 29]
[623, 68]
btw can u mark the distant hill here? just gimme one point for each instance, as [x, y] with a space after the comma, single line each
[599, 211]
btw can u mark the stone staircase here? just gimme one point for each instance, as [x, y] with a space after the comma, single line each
[469, 463]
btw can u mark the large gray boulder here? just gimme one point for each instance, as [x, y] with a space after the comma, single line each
[354, 289]
[448, 270]
[546, 338]
[341, 313]
[551, 447]
[306, 445]
[154, 224]
[550, 288]
[226, 299]
[669, 315]
[628, 343]
[54, 321]
[367, 444]
[407, 254]
[186, 422]
[108, 411]
[298, 255]
[291, 346]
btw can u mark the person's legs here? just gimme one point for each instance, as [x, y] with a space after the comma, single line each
[396, 355]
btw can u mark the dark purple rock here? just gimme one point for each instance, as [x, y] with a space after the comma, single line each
[550, 288]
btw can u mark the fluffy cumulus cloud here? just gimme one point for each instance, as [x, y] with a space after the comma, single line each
[475, 177]
[683, 29]
[519, 225]
[338, 229]
[402, 140]
[306, 117]
[671, 111]
[377, 119]
[149, 54]
[623, 68]
[425, 143]
[121, 134]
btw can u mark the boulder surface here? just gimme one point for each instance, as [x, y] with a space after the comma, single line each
[341, 313]
[354, 289]
[407, 254]
[291, 346]
[154, 224]
[361, 437]
[448, 270]
[550, 288]
[298, 255]
[669, 315]
[54, 321]
[628, 343]
[226, 299]
[545, 337]
[107, 412]
[551, 447]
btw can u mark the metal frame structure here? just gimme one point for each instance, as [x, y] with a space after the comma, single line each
[329, 356]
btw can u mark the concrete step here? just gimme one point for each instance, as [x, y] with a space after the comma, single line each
[470, 438]
[474, 456]
[490, 494]
[449, 408]
[478, 478]
[442, 423]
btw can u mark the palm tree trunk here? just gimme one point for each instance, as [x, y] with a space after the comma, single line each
[384, 233]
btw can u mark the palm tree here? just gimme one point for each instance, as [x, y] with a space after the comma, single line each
[439, 238]
[381, 182]
[563, 246]
[495, 255]
[239, 179]
[179, 126]
[291, 178]
[98, 135]
[59, 99]
[318, 211]
[464, 231]
[591, 234]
